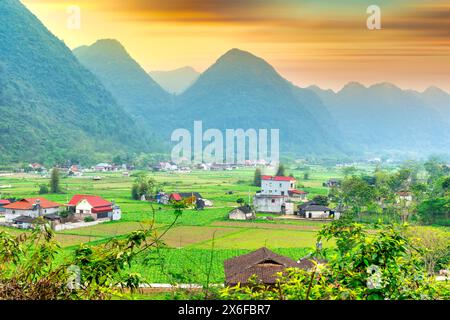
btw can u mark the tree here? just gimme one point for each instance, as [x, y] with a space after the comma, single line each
[54, 181]
[434, 245]
[306, 176]
[257, 178]
[435, 168]
[445, 184]
[434, 209]
[321, 200]
[349, 171]
[357, 193]
[281, 172]
[143, 186]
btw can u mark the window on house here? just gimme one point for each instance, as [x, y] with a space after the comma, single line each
[273, 200]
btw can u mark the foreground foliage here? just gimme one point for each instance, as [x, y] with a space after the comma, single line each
[29, 269]
[368, 265]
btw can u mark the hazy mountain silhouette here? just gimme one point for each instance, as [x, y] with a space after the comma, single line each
[128, 82]
[438, 100]
[383, 117]
[175, 81]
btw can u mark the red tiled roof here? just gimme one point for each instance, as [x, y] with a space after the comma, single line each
[175, 196]
[94, 201]
[3, 202]
[27, 204]
[278, 178]
[102, 209]
[295, 191]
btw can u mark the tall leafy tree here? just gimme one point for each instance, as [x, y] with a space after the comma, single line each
[257, 178]
[54, 181]
[281, 172]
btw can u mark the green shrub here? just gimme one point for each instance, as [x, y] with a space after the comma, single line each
[88, 219]
[43, 189]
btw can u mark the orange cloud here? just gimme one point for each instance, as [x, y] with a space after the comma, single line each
[310, 42]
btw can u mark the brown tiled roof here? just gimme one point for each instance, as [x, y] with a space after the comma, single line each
[263, 263]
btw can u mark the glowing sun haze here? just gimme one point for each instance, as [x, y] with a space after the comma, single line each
[325, 43]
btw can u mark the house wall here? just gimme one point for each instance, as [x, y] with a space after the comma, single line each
[83, 207]
[299, 197]
[237, 215]
[317, 214]
[276, 188]
[272, 205]
[9, 215]
[116, 214]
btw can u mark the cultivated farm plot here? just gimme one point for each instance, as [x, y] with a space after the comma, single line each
[288, 225]
[65, 240]
[13, 231]
[188, 235]
[68, 240]
[109, 229]
[275, 238]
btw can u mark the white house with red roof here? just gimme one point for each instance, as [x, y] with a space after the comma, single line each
[278, 195]
[30, 208]
[94, 206]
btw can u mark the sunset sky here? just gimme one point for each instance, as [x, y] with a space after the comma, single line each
[308, 42]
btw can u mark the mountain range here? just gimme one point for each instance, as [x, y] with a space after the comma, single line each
[97, 101]
[385, 118]
[52, 107]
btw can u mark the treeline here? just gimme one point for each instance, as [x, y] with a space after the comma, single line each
[415, 192]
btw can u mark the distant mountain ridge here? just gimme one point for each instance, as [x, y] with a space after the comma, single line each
[176, 81]
[383, 117]
[128, 82]
[243, 91]
[52, 107]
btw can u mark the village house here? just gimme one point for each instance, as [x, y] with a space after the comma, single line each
[190, 197]
[75, 171]
[104, 167]
[25, 211]
[242, 213]
[315, 211]
[36, 167]
[83, 206]
[262, 263]
[298, 195]
[278, 195]
[404, 197]
[3, 202]
[331, 183]
[165, 166]
[162, 198]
